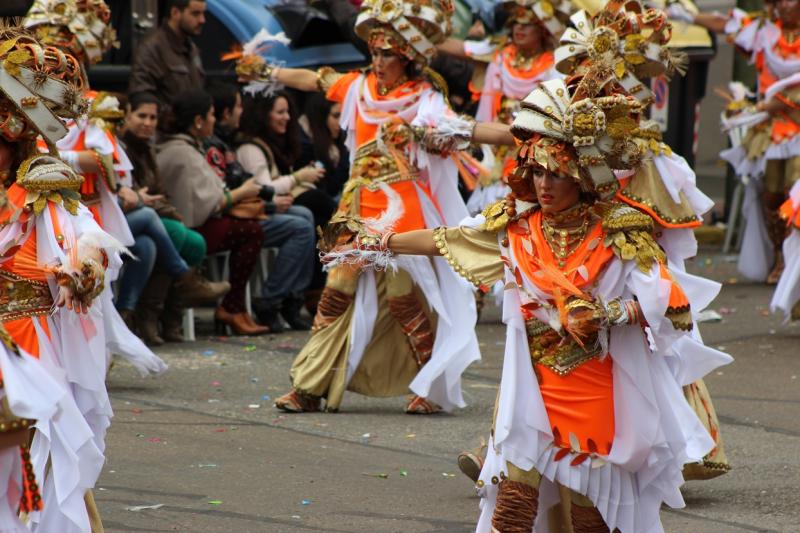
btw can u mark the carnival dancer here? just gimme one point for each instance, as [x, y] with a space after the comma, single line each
[82, 29]
[611, 53]
[53, 256]
[769, 154]
[616, 52]
[381, 333]
[514, 65]
[585, 402]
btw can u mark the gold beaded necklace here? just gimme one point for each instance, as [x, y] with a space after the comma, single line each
[384, 90]
[561, 234]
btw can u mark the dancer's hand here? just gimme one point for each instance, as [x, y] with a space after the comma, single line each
[66, 298]
[773, 106]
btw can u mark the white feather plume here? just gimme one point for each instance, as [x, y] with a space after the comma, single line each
[262, 40]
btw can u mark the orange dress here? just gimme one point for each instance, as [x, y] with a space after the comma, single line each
[372, 203]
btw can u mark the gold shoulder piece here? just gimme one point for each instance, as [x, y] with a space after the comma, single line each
[496, 217]
[44, 178]
[326, 77]
[629, 232]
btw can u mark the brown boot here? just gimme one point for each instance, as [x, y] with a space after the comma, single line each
[129, 317]
[151, 306]
[193, 290]
[240, 323]
[172, 318]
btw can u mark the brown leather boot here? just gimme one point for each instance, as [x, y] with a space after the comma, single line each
[151, 306]
[238, 322]
[129, 317]
[172, 319]
[193, 290]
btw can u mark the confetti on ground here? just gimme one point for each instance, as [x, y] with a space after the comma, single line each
[305, 502]
[448, 474]
[208, 353]
[253, 380]
[404, 473]
[250, 348]
[411, 436]
[265, 398]
[254, 406]
[379, 475]
[216, 383]
[136, 411]
[140, 435]
[155, 440]
[215, 502]
[209, 465]
[137, 508]
[220, 430]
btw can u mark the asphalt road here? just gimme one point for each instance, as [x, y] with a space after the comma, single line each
[204, 444]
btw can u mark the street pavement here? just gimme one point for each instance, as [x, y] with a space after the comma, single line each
[201, 449]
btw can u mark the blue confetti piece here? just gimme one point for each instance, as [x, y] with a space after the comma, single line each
[265, 398]
[208, 353]
[305, 502]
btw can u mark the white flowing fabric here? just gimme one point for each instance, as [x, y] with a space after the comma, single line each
[656, 432]
[31, 394]
[96, 138]
[456, 345]
[71, 441]
[757, 255]
[787, 292]
[119, 338]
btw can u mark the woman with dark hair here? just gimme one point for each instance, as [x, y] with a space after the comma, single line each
[269, 146]
[205, 204]
[322, 140]
[173, 249]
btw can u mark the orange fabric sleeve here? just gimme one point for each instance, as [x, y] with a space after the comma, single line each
[338, 90]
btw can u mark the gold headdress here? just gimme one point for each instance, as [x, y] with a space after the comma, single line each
[411, 28]
[622, 43]
[601, 134]
[80, 27]
[38, 87]
[552, 14]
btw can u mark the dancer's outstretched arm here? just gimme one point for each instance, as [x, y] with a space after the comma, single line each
[417, 242]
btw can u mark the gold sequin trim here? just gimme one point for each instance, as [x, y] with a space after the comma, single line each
[441, 244]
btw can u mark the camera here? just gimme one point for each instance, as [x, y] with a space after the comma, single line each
[267, 193]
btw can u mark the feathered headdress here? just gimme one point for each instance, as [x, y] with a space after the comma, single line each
[79, 27]
[601, 134]
[39, 86]
[552, 14]
[623, 43]
[411, 28]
